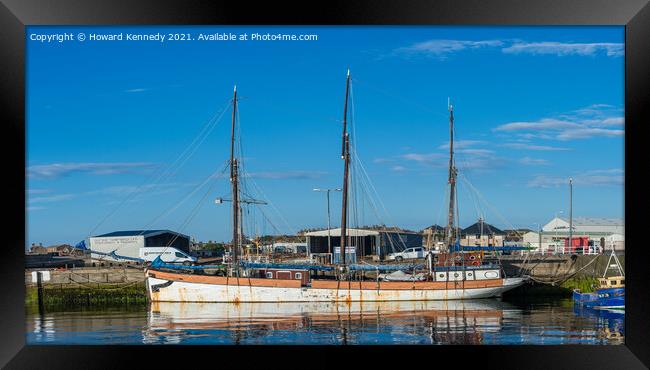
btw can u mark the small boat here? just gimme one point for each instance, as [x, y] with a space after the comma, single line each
[610, 294]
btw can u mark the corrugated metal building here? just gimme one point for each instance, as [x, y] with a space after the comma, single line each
[368, 242]
[128, 243]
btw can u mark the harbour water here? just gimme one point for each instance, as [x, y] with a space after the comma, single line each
[485, 321]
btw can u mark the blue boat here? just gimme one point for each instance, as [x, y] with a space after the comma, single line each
[610, 294]
[604, 298]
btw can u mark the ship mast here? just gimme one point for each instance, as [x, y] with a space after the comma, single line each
[345, 155]
[235, 187]
[451, 228]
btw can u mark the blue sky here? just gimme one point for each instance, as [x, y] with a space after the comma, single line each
[533, 107]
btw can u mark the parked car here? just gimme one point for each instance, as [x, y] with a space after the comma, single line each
[410, 253]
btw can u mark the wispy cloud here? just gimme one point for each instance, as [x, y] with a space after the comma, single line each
[38, 191]
[525, 146]
[55, 170]
[34, 208]
[461, 144]
[287, 175]
[533, 161]
[442, 48]
[136, 90]
[597, 120]
[607, 177]
[562, 49]
[436, 159]
[51, 198]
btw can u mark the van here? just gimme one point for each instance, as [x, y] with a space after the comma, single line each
[168, 255]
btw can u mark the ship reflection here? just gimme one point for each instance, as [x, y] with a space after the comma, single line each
[435, 322]
[610, 323]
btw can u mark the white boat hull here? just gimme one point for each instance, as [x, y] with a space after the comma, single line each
[166, 290]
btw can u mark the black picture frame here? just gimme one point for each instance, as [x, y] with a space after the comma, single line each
[15, 15]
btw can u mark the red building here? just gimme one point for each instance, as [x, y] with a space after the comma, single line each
[578, 243]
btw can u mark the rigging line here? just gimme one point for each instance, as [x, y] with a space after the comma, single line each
[191, 216]
[189, 195]
[476, 208]
[380, 220]
[197, 146]
[503, 219]
[159, 175]
[372, 186]
[264, 215]
[268, 200]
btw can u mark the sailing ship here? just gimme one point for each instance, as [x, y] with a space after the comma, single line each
[454, 274]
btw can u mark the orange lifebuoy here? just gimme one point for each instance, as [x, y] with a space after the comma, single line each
[476, 263]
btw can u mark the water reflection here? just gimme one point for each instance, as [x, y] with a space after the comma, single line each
[610, 323]
[484, 321]
[438, 322]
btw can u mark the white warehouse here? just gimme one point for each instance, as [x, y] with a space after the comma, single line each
[128, 243]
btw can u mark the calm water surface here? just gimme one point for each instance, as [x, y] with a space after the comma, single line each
[485, 321]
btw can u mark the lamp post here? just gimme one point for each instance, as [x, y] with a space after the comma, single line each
[329, 237]
[570, 214]
[539, 232]
[556, 213]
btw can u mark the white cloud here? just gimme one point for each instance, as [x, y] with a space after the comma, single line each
[597, 120]
[608, 177]
[587, 133]
[543, 124]
[137, 90]
[544, 148]
[533, 161]
[563, 49]
[460, 144]
[56, 170]
[440, 48]
[287, 175]
[51, 198]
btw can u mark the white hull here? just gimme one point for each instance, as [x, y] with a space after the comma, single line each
[181, 291]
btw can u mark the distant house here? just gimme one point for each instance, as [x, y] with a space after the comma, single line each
[482, 233]
[432, 235]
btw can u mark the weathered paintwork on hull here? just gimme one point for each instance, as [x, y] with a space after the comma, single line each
[189, 290]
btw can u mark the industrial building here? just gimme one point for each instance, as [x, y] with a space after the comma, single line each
[367, 242]
[128, 243]
[601, 234]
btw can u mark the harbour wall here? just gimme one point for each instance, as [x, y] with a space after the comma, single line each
[554, 268]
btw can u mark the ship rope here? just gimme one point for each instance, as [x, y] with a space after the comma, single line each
[164, 173]
[567, 276]
[191, 215]
[175, 206]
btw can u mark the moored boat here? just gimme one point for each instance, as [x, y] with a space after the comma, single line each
[452, 275]
[610, 293]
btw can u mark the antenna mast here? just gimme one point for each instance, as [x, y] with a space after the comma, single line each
[235, 187]
[345, 155]
[451, 228]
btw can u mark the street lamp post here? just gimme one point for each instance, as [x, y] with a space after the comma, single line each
[329, 237]
[556, 237]
[539, 232]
